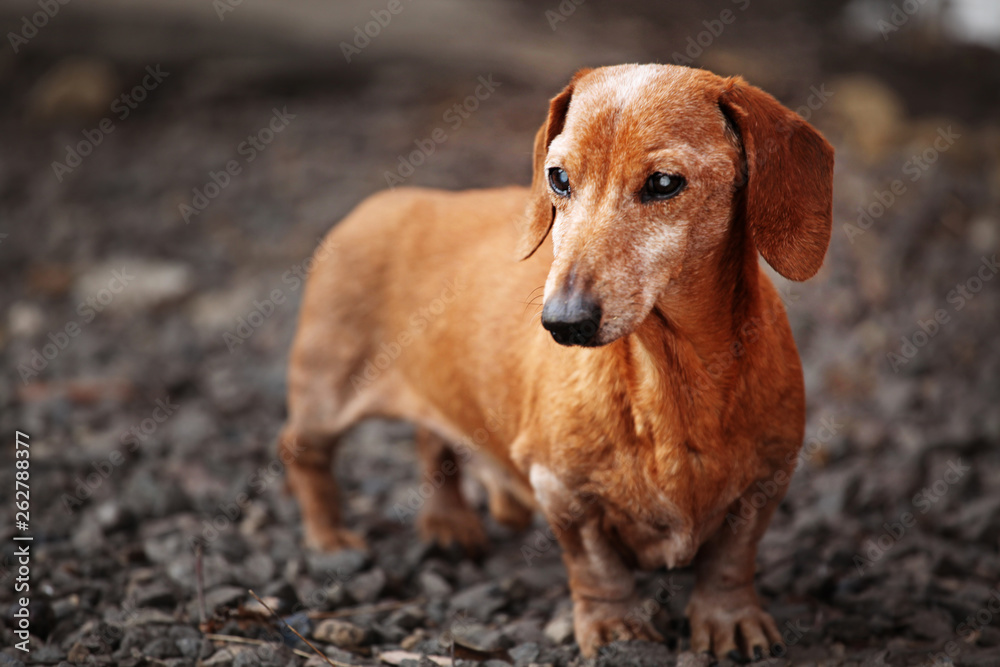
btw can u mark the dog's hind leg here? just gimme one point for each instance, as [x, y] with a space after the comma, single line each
[308, 460]
[445, 517]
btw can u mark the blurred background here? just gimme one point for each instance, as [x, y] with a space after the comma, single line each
[167, 168]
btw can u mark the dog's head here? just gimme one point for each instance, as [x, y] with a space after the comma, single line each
[640, 173]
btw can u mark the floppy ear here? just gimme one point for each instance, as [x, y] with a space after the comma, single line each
[788, 190]
[540, 213]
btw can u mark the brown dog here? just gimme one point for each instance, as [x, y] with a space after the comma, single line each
[670, 402]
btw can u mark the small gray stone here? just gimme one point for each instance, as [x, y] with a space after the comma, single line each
[408, 618]
[480, 601]
[255, 570]
[232, 546]
[560, 628]
[157, 595]
[478, 637]
[221, 658]
[367, 586]
[524, 654]
[388, 634]
[47, 653]
[270, 655]
[140, 617]
[164, 548]
[329, 568]
[691, 659]
[190, 647]
[282, 590]
[223, 596]
[161, 648]
[634, 653]
[433, 585]
[111, 516]
[148, 283]
[341, 633]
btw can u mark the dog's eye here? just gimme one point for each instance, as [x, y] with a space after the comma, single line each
[662, 186]
[559, 180]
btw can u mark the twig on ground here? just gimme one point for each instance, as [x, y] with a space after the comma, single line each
[364, 609]
[298, 634]
[199, 575]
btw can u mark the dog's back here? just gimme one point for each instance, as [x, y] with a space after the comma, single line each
[421, 284]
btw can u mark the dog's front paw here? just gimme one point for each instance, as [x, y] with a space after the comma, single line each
[600, 622]
[334, 539]
[732, 624]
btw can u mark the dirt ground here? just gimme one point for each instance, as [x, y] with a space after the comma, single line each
[152, 243]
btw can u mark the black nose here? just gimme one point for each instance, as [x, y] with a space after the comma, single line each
[572, 319]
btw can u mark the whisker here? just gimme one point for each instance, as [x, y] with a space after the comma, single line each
[533, 298]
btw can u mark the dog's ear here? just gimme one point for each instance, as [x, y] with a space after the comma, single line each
[540, 213]
[788, 182]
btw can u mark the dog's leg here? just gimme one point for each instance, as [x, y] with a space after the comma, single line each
[505, 507]
[724, 610]
[308, 460]
[605, 605]
[446, 517]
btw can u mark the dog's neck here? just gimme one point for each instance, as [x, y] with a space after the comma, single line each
[705, 306]
[694, 344]
[677, 376]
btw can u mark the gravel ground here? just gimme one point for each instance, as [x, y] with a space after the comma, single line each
[145, 343]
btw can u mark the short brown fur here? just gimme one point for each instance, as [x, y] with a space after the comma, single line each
[636, 447]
